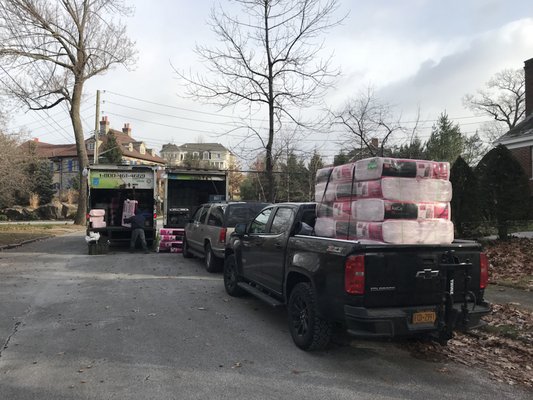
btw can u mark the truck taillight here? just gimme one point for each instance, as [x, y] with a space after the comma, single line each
[155, 215]
[354, 275]
[222, 235]
[87, 216]
[483, 271]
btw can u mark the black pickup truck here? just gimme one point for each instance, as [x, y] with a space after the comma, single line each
[370, 289]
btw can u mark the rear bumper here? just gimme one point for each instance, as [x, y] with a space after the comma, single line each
[397, 322]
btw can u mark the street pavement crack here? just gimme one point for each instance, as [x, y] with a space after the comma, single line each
[13, 332]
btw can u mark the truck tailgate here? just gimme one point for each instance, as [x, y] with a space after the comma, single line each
[411, 277]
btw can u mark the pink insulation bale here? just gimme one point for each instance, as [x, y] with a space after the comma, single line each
[377, 167]
[405, 189]
[97, 212]
[380, 210]
[128, 210]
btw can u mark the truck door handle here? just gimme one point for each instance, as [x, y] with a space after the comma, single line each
[277, 245]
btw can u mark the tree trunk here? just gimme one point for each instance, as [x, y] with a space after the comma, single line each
[269, 165]
[503, 231]
[83, 160]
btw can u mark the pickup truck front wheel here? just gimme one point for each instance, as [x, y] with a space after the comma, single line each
[231, 278]
[308, 329]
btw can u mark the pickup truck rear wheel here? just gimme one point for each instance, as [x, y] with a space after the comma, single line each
[231, 277]
[212, 263]
[308, 329]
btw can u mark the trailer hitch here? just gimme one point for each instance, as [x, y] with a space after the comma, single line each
[448, 314]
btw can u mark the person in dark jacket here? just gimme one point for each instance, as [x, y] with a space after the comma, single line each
[137, 230]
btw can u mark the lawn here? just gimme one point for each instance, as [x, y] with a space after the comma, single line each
[17, 233]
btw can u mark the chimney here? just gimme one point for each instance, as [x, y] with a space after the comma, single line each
[127, 129]
[104, 126]
[528, 72]
[36, 139]
[375, 143]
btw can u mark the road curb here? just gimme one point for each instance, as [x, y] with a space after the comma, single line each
[14, 245]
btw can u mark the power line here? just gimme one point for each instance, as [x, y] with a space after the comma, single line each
[263, 120]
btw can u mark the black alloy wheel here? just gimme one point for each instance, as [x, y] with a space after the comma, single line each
[308, 329]
[231, 277]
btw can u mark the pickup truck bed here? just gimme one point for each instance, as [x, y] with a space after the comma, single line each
[371, 289]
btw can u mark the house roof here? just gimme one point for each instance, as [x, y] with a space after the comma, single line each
[48, 150]
[169, 147]
[123, 139]
[202, 147]
[522, 130]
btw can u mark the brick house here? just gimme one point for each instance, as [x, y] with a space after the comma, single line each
[64, 157]
[519, 140]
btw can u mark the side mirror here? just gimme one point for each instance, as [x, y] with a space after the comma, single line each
[240, 229]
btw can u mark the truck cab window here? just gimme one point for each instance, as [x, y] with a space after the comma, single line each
[258, 225]
[282, 220]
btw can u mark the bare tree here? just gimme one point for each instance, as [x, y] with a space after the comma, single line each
[269, 59]
[49, 49]
[13, 165]
[366, 118]
[503, 99]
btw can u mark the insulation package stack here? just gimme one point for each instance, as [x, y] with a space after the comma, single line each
[386, 200]
[97, 218]
[170, 240]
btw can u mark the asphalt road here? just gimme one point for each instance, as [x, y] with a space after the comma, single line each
[157, 326]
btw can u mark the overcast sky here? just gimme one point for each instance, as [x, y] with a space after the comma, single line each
[415, 53]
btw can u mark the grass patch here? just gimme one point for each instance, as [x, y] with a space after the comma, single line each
[522, 282]
[508, 331]
[18, 233]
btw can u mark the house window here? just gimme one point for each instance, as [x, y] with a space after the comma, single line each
[195, 155]
[217, 155]
[90, 146]
[206, 155]
[75, 165]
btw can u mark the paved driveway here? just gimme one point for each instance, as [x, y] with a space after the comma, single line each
[157, 326]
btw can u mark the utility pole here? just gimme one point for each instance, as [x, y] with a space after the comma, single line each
[96, 127]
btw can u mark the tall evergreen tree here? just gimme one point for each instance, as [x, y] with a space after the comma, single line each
[111, 152]
[415, 150]
[503, 189]
[465, 201]
[293, 180]
[341, 158]
[446, 141]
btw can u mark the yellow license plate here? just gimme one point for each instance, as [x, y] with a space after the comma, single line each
[424, 317]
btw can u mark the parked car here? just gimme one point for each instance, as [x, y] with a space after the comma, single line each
[209, 229]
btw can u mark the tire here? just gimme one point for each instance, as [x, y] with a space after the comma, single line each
[308, 329]
[212, 263]
[231, 277]
[185, 248]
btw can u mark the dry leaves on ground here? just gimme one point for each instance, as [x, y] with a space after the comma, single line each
[511, 262]
[504, 348]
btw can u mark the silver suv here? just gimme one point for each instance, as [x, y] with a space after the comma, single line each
[209, 229]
